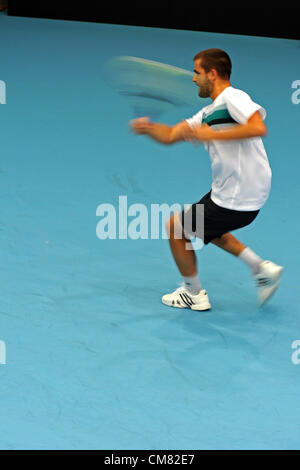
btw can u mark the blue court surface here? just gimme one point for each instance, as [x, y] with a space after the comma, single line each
[91, 358]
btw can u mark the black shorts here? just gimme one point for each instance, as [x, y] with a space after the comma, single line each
[215, 220]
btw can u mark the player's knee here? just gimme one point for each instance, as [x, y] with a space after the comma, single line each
[169, 225]
[173, 226]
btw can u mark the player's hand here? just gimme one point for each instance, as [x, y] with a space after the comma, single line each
[140, 125]
[202, 133]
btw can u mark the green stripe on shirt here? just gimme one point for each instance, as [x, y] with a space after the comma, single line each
[219, 116]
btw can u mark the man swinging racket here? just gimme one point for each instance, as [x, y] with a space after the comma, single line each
[231, 129]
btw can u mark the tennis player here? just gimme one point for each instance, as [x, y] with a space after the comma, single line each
[231, 129]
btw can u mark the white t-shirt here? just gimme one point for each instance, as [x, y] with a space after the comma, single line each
[240, 168]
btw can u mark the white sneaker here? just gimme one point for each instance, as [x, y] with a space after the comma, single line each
[181, 298]
[267, 280]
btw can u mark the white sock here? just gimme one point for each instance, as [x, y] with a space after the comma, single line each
[251, 259]
[192, 284]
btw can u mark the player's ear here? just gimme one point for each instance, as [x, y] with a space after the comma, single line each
[213, 73]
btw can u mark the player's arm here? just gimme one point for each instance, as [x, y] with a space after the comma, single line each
[162, 133]
[254, 127]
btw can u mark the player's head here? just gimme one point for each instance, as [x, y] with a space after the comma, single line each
[211, 66]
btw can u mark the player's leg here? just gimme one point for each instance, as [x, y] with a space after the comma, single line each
[190, 294]
[185, 259]
[229, 243]
[266, 273]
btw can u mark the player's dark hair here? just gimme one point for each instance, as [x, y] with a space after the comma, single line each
[215, 59]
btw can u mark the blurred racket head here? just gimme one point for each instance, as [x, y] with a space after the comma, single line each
[150, 88]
